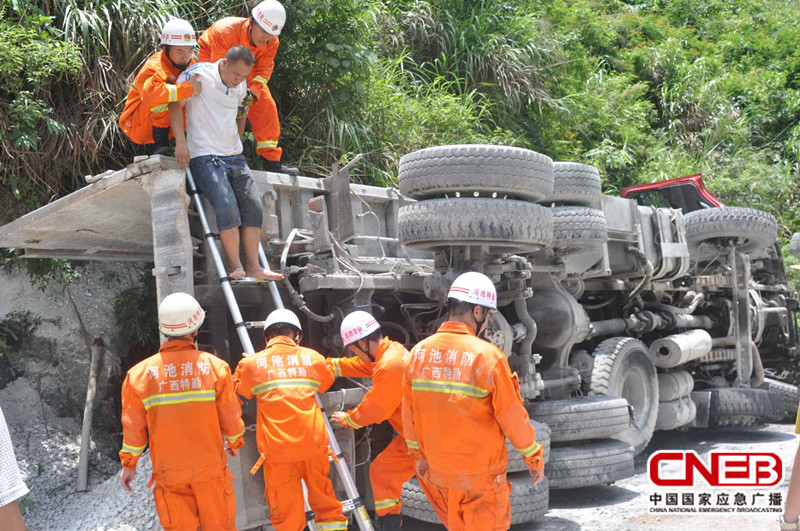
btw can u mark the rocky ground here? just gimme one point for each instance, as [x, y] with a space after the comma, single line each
[47, 449]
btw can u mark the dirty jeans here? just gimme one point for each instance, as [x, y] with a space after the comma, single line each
[229, 185]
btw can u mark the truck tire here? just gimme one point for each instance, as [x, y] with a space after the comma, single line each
[528, 502]
[510, 171]
[515, 461]
[594, 463]
[505, 226]
[575, 184]
[675, 413]
[582, 418]
[576, 228]
[789, 393]
[751, 229]
[740, 406]
[794, 245]
[622, 367]
[674, 385]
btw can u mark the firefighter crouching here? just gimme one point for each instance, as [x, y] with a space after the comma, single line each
[290, 430]
[181, 402]
[145, 118]
[460, 402]
[384, 361]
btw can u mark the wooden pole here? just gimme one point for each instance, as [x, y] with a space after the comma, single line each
[83, 464]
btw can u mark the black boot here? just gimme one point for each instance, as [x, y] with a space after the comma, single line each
[275, 166]
[391, 522]
[161, 144]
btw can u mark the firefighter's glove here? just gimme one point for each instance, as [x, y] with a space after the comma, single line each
[246, 103]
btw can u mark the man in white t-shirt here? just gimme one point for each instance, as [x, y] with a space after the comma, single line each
[212, 148]
[11, 485]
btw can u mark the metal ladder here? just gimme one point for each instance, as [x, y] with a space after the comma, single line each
[354, 503]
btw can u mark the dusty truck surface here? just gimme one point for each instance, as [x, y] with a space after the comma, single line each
[621, 315]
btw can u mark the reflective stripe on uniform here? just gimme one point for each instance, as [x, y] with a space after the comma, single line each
[291, 382]
[179, 398]
[335, 362]
[530, 450]
[349, 420]
[159, 108]
[133, 450]
[233, 438]
[413, 445]
[386, 504]
[173, 92]
[260, 79]
[266, 144]
[443, 386]
[332, 526]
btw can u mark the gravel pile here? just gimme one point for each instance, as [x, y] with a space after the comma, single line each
[48, 454]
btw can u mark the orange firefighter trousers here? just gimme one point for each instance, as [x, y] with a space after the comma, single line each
[487, 509]
[263, 116]
[284, 495]
[388, 472]
[211, 504]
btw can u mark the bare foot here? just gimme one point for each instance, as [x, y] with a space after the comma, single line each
[261, 273]
[237, 274]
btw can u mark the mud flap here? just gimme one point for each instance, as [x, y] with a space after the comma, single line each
[701, 399]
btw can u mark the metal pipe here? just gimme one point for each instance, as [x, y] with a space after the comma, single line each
[694, 321]
[677, 349]
[297, 298]
[521, 308]
[608, 327]
[273, 288]
[720, 342]
[696, 300]
[758, 367]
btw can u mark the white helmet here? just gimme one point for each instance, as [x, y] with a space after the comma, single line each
[178, 32]
[474, 288]
[282, 316]
[271, 16]
[357, 325]
[179, 314]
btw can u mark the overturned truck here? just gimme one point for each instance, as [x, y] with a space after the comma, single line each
[622, 315]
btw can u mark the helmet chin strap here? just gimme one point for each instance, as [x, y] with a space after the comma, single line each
[180, 67]
[365, 352]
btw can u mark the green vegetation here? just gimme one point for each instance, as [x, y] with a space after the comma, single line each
[40, 271]
[133, 313]
[644, 90]
[15, 328]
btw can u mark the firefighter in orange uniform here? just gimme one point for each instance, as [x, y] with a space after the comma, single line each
[181, 402]
[384, 361]
[145, 118]
[291, 434]
[460, 402]
[259, 33]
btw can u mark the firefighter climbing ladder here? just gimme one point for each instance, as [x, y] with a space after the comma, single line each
[354, 504]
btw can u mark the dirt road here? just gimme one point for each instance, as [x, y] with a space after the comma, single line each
[626, 504]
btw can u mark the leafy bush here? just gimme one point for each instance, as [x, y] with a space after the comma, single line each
[15, 328]
[134, 314]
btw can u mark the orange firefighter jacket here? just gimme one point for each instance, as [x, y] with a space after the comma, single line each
[460, 402]
[234, 31]
[285, 378]
[383, 401]
[151, 92]
[182, 402]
